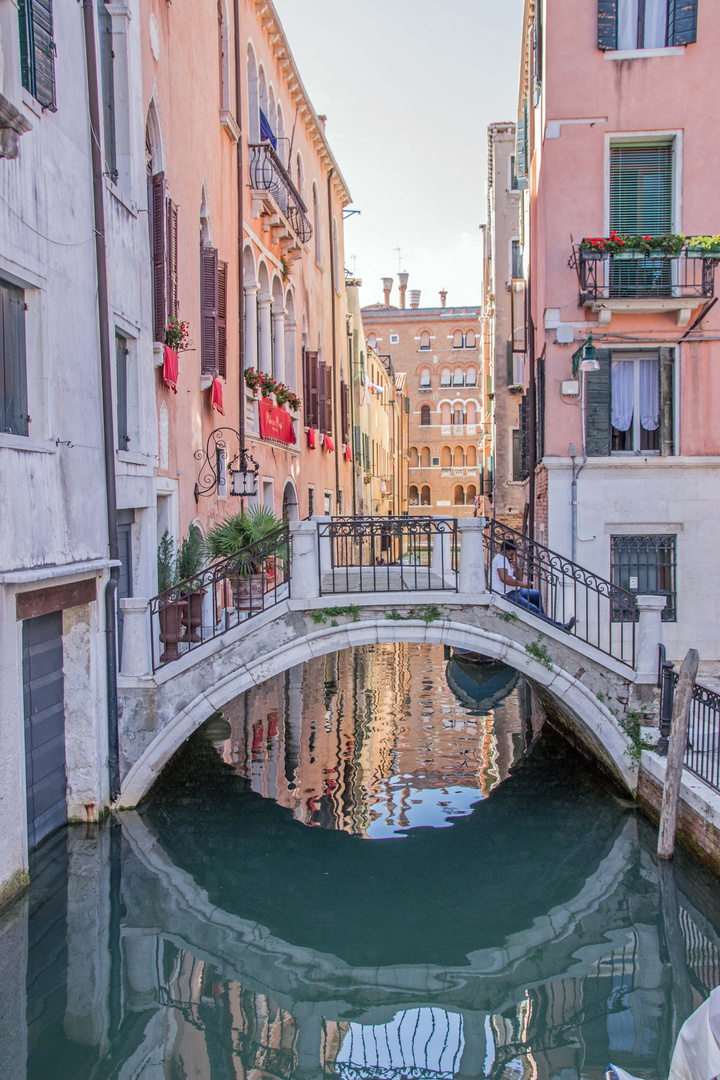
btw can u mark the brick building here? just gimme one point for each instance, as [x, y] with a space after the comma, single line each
[438, 349]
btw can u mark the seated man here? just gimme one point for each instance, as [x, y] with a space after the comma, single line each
[520, 591]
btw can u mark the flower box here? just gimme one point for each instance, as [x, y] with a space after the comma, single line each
[703, 253]
[629, 256]
[593, 256]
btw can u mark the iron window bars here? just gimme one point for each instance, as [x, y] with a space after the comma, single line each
[643, 565]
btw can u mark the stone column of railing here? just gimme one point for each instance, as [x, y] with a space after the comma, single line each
[278, 327]
[135, 659]
[441, 561]
[472, 556]
[305, 569]
[648, 637]
[265, 330]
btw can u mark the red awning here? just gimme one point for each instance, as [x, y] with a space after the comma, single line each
[276, 423]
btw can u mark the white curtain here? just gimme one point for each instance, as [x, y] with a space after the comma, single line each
[628, 24]
[655, 24]
[649, 394]
[623, 385]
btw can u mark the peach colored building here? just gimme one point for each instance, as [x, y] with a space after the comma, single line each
[438, 350]
[624, 460]
[246, 243]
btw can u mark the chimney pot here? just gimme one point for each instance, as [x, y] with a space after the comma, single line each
[402, 286]
[443, 297]
[387, 283]
[414, 295]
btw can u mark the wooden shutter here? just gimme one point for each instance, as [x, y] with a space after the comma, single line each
[328, 400]
[172, 260]
[321, 397]
[682, 22]
[597, 425]
[209, 311]
[345, 411]
[510, 363]
[540, 403]
[667, 425]
[311, 389]
[157, 242]
[524, 438]
[13, 371]
[357, 444]
[222, 319]
[607, 24]
[37, 50]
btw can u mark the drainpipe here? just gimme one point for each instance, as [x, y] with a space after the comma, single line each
[336, 410]
[351, 395]
[532, 406]
[241, 267]
[107, 404]
[576, 472]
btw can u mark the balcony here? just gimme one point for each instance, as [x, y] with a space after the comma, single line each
[642, 284]
[274, 191]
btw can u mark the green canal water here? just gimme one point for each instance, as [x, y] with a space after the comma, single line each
[373, 866]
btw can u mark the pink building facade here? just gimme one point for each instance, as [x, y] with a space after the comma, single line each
[623, 461]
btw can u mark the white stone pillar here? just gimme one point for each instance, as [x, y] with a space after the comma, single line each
[324, 545]
[304, 577]
[442, 549]
[649, 636]
[278, 321]
[265, 327]
[135, 658]
[472, 556]
[290, 354]
[251, 325]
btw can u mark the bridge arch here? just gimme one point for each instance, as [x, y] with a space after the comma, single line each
[579, 709]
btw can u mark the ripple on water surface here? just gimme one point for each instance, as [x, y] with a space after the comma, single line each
[366, 868]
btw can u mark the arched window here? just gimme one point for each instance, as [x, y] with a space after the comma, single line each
[300, 176]
[425, 415]
[446, 457]
[425, 339]
[371, 341]
[425, 379]
[336, 257]
[425, 457]
[471, 377]
[414, 457]
[458, 377]
[425, 499]
[316, 226]
[458, 340]
[223, 53]
[446, 377]
[414, 495]
[470, 495]
[471, 457]
[459, 496]
[470, 412]
[459, 457]
[253, 96]
[457, 415]
[445, 414]
[282, 147]
[470, 339]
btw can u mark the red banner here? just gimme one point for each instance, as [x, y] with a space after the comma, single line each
[275, 423]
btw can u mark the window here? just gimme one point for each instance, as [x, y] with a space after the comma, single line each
[471, 377]
[163, 225]
[414, 457]
[458, 496]
[425, 415]
[646, 24]
[107, 86]
[425, 379]
[121, 401]
[13, 369]
[514, 182]
[458, 377]
[394, 339]
[630, 403]
[470, 495]
[516, 473]
[470, 339]
[311, 501]
[458, 416]
[300, 176]
[516, 261]
[435, 462]
[446, 457]
[425, 497]
[425, 339]
[645, 566]
[458, 340]
[317, 392]
[328, 503]
[336, 258]
[414, 496]
[446, 377]
[471, 457]
[316, 226]
[213, 313]
[425, 457]
[37, 50]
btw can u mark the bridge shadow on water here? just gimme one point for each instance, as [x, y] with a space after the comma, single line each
[371, 869]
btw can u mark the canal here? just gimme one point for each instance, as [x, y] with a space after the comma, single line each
[375, 865]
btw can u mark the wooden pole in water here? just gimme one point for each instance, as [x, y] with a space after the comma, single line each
[676, 755]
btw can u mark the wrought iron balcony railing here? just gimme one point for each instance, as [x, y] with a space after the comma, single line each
[614, 277]
[267, 173]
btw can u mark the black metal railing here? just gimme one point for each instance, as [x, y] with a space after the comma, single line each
[615, 277]
[388, 554]
[561, 592]
[219, 597]
[267, 173]
[702, 751]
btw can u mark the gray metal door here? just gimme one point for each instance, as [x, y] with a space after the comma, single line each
[43, 691]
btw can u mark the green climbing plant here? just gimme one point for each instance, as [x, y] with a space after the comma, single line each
[321, 615]
[427, 614]
[538, 651]
[631, 723]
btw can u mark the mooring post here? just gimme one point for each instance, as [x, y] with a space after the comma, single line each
[676, 755]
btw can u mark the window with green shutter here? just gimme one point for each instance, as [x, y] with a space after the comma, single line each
[641, 188]
[37, 50]
[646, 24]
[629, 403]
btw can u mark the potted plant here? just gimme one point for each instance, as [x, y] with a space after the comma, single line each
[234, 536]
[667, 246]
[285, 396]
[190, 560]
[170, 605]
[593, 248]
[176, 334]
[259, 380]
[703, 247]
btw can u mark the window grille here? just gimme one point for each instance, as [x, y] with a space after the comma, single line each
[645, 566]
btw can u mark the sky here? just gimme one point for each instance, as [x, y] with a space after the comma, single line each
[409, 88]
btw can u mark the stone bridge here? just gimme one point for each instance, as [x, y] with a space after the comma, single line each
[580, 687]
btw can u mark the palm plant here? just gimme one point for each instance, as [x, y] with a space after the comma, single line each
[240, 531]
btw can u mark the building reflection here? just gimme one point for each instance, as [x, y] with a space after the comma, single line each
[373, 740]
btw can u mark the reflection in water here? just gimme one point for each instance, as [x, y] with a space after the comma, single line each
[214, 935]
